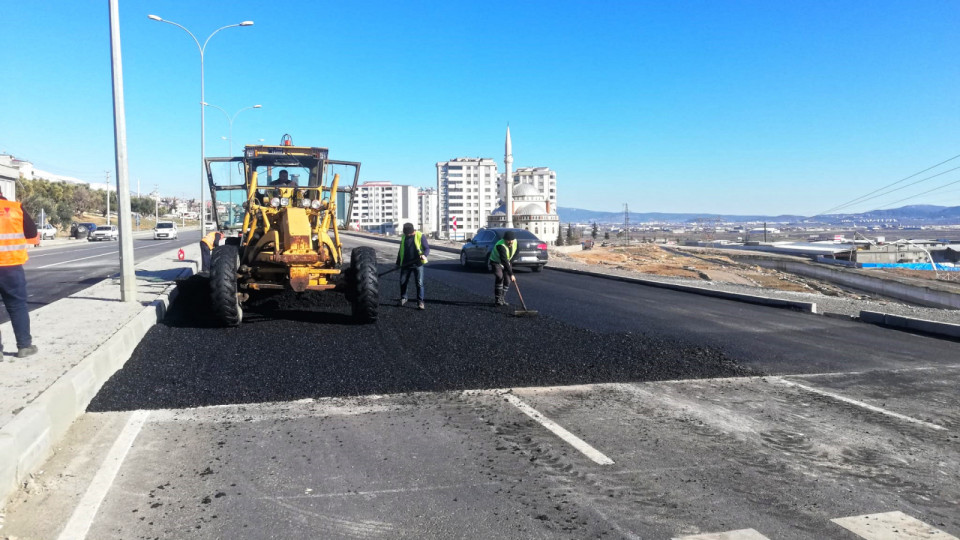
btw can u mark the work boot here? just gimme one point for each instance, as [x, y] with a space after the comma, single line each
[498, 299]
[26, 351]
[403, 302]
[420, 305]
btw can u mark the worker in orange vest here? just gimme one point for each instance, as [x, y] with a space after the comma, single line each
[207, 243]
[17, 232]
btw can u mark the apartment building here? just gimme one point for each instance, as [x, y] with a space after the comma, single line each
[384, 207]
[466, 191]
[427, 210]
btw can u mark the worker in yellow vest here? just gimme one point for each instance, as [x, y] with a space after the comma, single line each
[207, 243]
[17, 232]
[414, 249]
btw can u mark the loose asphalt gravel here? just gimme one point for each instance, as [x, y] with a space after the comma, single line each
[294, 346]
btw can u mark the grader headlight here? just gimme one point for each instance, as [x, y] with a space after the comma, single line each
[315, 204]
[275, 202]
[305, 202]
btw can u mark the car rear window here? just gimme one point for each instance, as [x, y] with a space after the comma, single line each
[523, 234]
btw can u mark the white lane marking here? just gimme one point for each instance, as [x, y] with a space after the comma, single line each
[891, 526]
[742, 534]
[117, 253]
[373, 493]
[82, 518]
[558, 430]
[857, 403]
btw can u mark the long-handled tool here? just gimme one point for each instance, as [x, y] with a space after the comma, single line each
[524, 312]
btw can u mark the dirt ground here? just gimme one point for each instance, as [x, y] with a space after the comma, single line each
[653, 259]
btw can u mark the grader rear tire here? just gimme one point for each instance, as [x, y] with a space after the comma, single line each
[223, 286]
[366, 285]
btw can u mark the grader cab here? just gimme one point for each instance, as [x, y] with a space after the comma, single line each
[281, 209]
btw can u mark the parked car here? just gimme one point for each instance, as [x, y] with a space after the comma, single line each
[531, 251]
[210, 226]
[82, 230]
[104, 232]
[165, 230]
[47, 232]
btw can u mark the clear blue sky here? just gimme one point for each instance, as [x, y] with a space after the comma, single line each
[673, 106]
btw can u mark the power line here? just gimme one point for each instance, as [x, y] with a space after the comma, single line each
[910, 184]
[920, 194]
[863, 198]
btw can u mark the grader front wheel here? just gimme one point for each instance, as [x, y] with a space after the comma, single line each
[365, 283]
[223, 286]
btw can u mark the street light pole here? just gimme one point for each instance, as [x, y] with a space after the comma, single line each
[202, 48]
[230, 120]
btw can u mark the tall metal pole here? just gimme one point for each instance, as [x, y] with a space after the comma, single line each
[128, 278]
[202, 48]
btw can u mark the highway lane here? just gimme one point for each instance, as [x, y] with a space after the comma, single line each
[57, 271]
[635, 413]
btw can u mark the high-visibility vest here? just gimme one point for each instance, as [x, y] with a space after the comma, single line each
[212, 239]
[13, 243]
[511, 251]
[416, 240]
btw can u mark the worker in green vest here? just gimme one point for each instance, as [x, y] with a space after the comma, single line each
[500, 256]
[414, 250]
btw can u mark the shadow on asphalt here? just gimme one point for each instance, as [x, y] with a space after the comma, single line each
[299, 347]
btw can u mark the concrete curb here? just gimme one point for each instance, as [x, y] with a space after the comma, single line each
[934, 328]
[806, 307]
[30, 438]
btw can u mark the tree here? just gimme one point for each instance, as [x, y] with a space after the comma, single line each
[606, 235]
[64, 214]
[595, 230]
[569, 234]
[560, 235]
[34, 203]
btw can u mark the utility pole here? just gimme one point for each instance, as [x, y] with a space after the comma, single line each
[128, 277]
[626, 223]
[156, 200]
[108, 196]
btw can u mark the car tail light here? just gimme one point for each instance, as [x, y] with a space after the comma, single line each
[541, 246]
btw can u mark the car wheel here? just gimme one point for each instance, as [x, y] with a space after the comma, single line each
[224, 262]
[538, 268]
[463, 259]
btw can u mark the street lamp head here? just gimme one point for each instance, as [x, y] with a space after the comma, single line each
[257, 106]
[246, 23]
[154, 17]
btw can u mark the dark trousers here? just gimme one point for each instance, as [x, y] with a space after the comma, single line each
[405, 273]
[13, 290]
[502, 282]
[204, 257]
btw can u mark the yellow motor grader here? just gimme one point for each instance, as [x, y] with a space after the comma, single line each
[281, 215]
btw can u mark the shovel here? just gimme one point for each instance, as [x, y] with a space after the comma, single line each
[522, 312]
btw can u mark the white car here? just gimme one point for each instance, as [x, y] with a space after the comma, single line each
[210, 226]
[47, 232]
[104, 232]
[165, 230]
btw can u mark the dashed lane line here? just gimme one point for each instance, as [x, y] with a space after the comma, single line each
[743, 534]
[114, 253]
[891, 526]
[595, 455]
[83, 516]
[857, 403]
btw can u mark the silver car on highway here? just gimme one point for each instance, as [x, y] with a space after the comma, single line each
[104, 232]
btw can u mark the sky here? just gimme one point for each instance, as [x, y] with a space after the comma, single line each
[713, 106]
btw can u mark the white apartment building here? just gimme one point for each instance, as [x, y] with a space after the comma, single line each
[542, 178]
[466, 190]
[384, 207]
[427, 210]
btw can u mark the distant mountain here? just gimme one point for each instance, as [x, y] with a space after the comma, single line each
[912, 214]
[578, 215]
